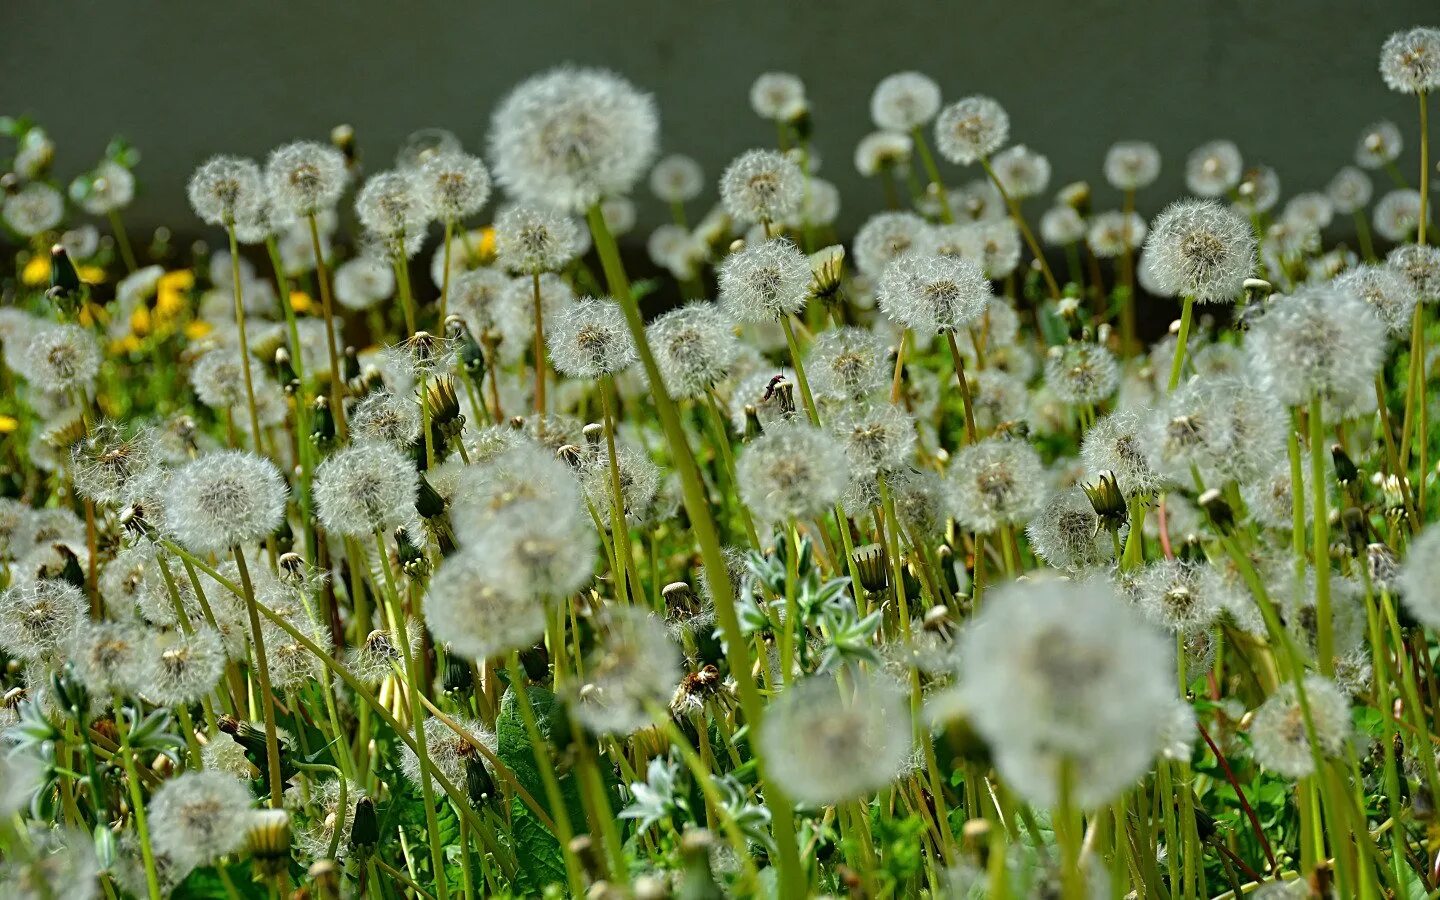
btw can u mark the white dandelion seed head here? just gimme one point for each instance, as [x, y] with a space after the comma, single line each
[933, 294]
[38, 618]
[1063, 671]
[639, 480]
[879, 151]
[829, 742]
[59, 860]
[1201, 250]
[1317, 342]
[266, 220]
[971, 129]
[1066, 532]
[1386, 291]
[1277, 732]
[537, 556]
[109, 188]
[634, 666]
[877, 437]
[1379, 144]
[1349, 191]
[1177, 595]
[306, 177]
[108, 466]
[453, 186]
[1022, 171]
[59, 358]
[1112, 233]
[1132, 165]
[1116, 443]
[762, 186]
[847, 363]
[754, 390]
[226, 189]
[364, 488]
[1270, 500]
[676, 249]
[991, 244]
[695, 347]
[198, 817]
[997, 397]
[1082, 372]
[764, 282]
[1397, 215]
[449, 753]
[1410, 60]
[1212, 169]
[996, 482]
[364, 282]
[886, 237]
[569, 137]
[1258, 190]
[1419, 574]
[904, 101]
[677, 179]
[391, 208]
[1311, 209]
[34, 209]
[779, 96]
[223, 499]
[1061, 226]
[464, 610]
[105, 655]
[1420, 263]
[590, 339]
[533, 239]
[792, 471]
[386, 417]
[820, 205]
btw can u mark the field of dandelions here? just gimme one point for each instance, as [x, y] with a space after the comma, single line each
[886, 565]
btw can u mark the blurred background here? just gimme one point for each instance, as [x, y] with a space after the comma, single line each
[1291, 82]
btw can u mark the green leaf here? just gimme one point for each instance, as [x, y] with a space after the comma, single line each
[205, 884]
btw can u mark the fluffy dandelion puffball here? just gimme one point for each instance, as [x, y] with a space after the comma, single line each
[996, 482]
[677, 179]
[1213, 168]
[463, 610]
[971, 129]
[225, 189]
[694, 346]
[1131, 165]
[1200, 250]
[1319, 342]
[223, 499]
[904, 101]
[33, 209]
[453, 186]
[306, 177]
[1410, 60]
[590, 339]
[779, 96]
[197, 817]
[764, 282]
[391, 208]
[532, 239]
[1278, 734]
[762, 186]
[632, 671]
[932, 293]
[365, 488]
[793, 471]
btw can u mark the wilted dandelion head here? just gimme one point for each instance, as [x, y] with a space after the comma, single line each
[634, 667]
[1201, 250]
[880, 151]
[1386, 291]
[1397, 214]
[971, 129]
[1410, 60]
[1317, 342]
[1379, 143]
[1116, 443]
[694, 346]
[1112, 233]
[1213, 168]
[1067, 534]
[33, 209]
[38, 617]
[465, 611]
[1063, 671]
[793, 471]
[1278, 735]
[1349, 191]
[198, 817]
[452, 186]
[997, 482]
[1131, 165]
[568, 137]
[762, 186]
[391, 209]
[450, 754]
[886, 237]
[904, 101]
[779, 96]
[1021, 171]
[1082, 372]
[1420, 263]
[1061, 226]
[590, 339]
[59, 358]
[828, 743]
[848, 363]
[364, 488]
[677, 179]
[533, 239]
[764, 281]
[306, 177]
[225, 189]
[933, 294]
[224, 498]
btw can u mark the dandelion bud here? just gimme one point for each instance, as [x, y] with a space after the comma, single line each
[784, 392]
[679, 597]
[268, 839]
[364, 828]
[1345, 471]
[873, 566]
[64, 279]
[1219, 511]
[322, 422]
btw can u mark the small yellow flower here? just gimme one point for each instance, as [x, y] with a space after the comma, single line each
[140, 320]
[36, 272]
[8, 424]
[127, 344]
[172, 292]
[301, 302]
[91, 274]
[197, 329]
[481, 245]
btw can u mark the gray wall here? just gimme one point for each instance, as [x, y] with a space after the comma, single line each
[1291, 81]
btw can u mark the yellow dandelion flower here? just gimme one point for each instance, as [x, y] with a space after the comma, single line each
[172, 292]
[36, 271]
[301, 302]
[197, 329]
[8, 424]
[92, 274]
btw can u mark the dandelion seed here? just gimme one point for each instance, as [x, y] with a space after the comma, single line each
[1200, 250]
[1418, 577]
[635, 667]
[1022, 171]
[59, 359]
[1349, 191]
[1385, 290]
[464, 611]
[1061, 226]
[639, 480]
[226, 189]
[847, 363]
[392, 210]
[1421, 265]
[1317, 342]
[111, 187]
[1112, 233]
[677, 179]
[1067, 533]
[453, 186]
[1116, 443]
[38, 617]
[1397, 215]
[881, 151]
[179, 668]
[694, 346]
[1082, 373]
[537, 558]
[532, 240]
